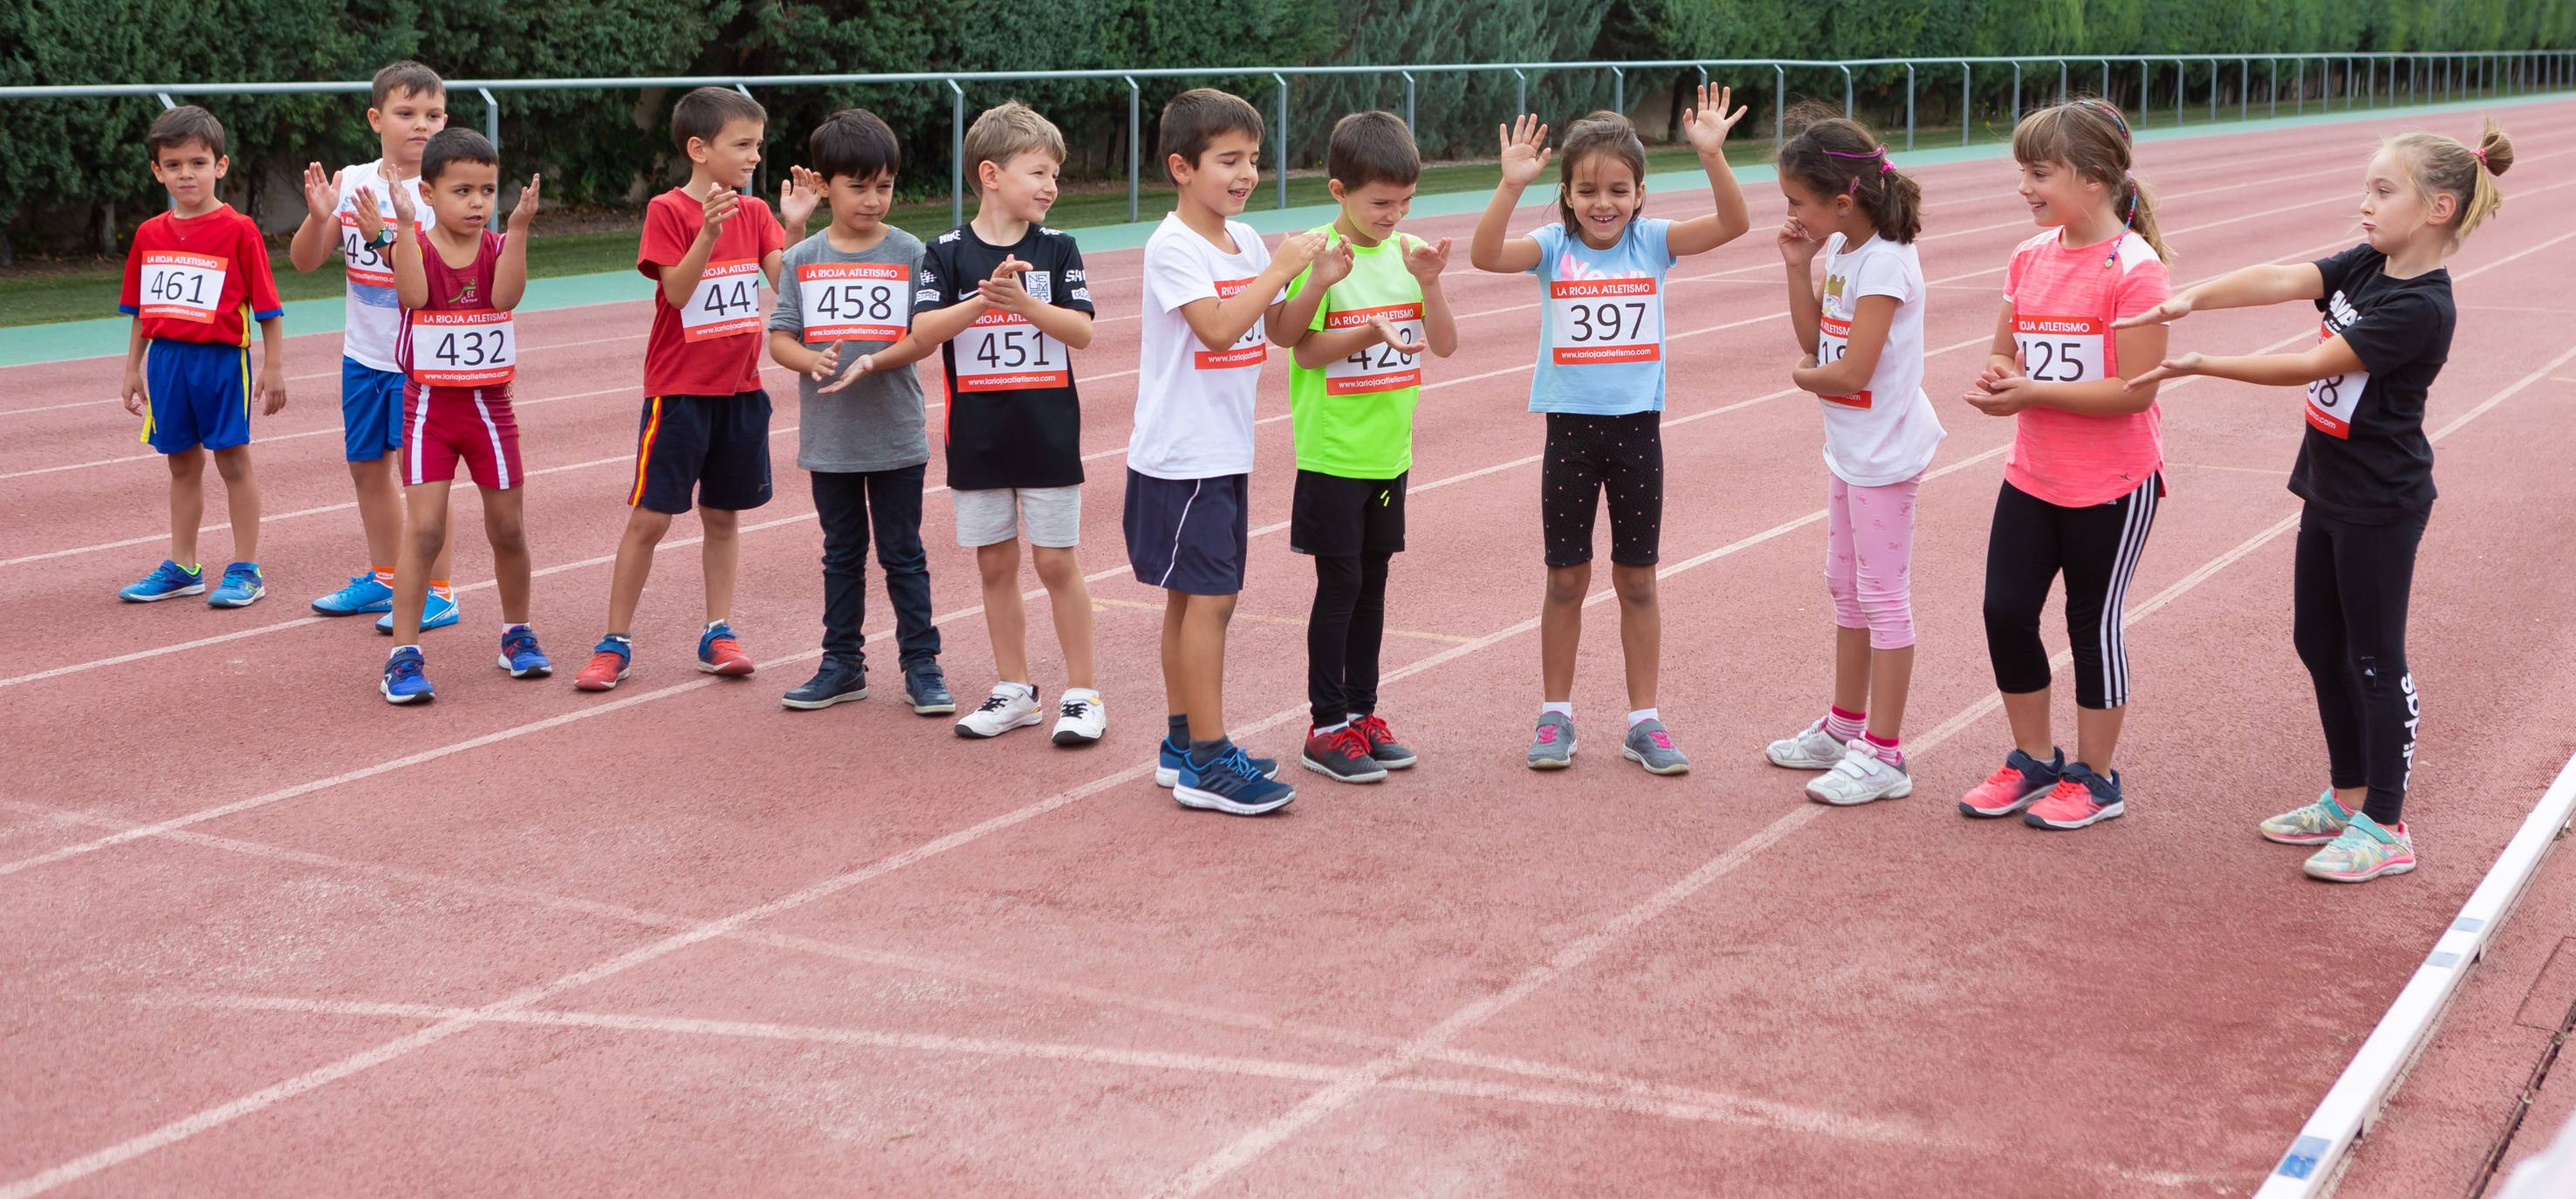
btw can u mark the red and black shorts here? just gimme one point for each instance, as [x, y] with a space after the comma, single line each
[709, 451]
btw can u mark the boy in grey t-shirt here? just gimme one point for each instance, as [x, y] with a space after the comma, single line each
[844, 292]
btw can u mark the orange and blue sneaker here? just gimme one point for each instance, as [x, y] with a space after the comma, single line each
[2310, 824]
[437, 611]
[719, 653]
[607, 666]
[2021, 780]
[242, 587]
[2081, 799]
[2364, 850]
[167, 581]
[521, 657]
[404, 683]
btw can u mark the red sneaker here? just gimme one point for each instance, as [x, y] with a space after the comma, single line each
[2021, 780]
[719, 653]
[607, 666]
[1383, 747]
[1342, 756]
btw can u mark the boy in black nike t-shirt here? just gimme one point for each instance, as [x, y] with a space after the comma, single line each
[2366, 471]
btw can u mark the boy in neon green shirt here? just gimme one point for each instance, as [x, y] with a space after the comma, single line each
[1358, 375]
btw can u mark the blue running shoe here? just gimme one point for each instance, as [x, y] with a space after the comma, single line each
[404, 683]
[363, 595]
[436, 612]
[242, 587]
[521, 657]
[167, 581]
[1232, 784]
[1168, 763]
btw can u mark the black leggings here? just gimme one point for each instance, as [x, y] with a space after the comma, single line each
[2097, 547]
[1343, 634]
[2350, 584]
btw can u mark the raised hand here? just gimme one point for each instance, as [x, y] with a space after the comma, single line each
[1707, 124]
[1427, 261]
[2170, 368]
[370, 217]
[1335, 263]
[406, 214]
[1525, 151]
[322, 192]
[865, 366]
[1005, 291]
[525, 214]
[2173, 309]
[1797, 246]
[720, 206]
[797, 196]
[1299, 251]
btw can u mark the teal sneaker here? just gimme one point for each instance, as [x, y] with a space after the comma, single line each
[2313, 824]
[2365, 850]
[436, 612]
[167, 581]
[363, 595]
[242, 587]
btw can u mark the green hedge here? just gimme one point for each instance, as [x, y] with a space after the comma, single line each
[76, 179]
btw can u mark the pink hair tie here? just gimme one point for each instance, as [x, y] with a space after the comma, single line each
[2481, 156]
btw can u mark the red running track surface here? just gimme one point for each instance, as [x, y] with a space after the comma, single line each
[268, 935]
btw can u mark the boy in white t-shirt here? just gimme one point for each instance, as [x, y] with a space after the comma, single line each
[408, 107]
[1211, 291]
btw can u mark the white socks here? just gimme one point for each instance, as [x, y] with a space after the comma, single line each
[1642, 715]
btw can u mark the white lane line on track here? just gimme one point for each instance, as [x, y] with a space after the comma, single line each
[1348, 1088]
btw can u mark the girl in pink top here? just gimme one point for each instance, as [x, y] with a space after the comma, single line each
[2083, 478]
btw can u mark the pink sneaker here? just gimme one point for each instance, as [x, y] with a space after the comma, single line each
[2081, 799]
[2022, 779]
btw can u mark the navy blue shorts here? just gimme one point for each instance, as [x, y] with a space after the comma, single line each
[1189, 535]
[371, 410]
[715, 447]
[199, 394]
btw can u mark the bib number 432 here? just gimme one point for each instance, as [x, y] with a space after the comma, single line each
[463, 348]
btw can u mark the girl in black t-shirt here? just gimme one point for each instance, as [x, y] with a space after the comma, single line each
[2365, 469]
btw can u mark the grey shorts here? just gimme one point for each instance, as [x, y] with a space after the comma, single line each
[1047, 516]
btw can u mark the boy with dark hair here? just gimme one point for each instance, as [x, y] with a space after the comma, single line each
[704, 434]
[458, 281]
[1007, 301]
[195, 277]
[1210, 286]
[844, 292]
[1352, 393]
[407, 106]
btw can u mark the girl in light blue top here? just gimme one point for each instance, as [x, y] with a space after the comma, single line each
[1600, 382]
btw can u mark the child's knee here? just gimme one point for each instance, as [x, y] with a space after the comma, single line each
[998, 564]
[1890, 619]
[507, 530]
[1635, 584]
[1568, 584]
[233, 464]
[719, 523]
[1056, 567]
[429, 536]
[187, 464]
[646, 525]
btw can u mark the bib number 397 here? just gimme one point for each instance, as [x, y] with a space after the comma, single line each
[179, 286]
[726, 302]
[1601, 321]
[463, 348]
[2062, 349]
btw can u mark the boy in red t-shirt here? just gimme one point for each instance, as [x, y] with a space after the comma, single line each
[458, 281]
[195, 277]
[704, 435]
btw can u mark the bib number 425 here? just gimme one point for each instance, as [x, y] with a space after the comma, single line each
[2062, 349]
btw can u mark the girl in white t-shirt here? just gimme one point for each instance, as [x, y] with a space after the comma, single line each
[1862, 330]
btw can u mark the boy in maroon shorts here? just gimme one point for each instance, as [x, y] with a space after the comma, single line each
[458, 281]
[704, 435]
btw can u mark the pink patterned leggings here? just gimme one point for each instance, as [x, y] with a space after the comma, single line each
[1869, 550]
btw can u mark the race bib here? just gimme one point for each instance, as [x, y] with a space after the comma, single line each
[2062, 349]
[1597, 321]
[369, 266]
[854, 301]
[1833, 340]
[1002, 351]
[2332, 402]
[466, 347]
[1251, 349]
[726, 302]
[180, 286]
[1376, 366]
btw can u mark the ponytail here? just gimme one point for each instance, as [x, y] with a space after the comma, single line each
[2442, 166]
[1833, 156]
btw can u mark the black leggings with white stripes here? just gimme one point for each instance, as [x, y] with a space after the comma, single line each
[2097, 548]
[2350, 584]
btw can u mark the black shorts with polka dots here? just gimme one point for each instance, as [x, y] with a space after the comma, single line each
[1587, 455]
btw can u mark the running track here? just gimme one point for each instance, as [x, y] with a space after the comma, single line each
[268, 935]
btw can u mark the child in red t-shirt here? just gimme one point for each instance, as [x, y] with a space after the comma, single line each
[704, 436]
[458, 281]
[195, 277]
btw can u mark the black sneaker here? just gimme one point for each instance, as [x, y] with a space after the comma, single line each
[835, 681]
[1383, 747]
[927, 690]
[1342, 756]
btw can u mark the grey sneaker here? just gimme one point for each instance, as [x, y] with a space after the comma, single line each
[1651, 747]
[1553, 748]
[1814, 749]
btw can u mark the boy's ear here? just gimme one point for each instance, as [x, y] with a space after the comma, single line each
[1340, 194]
[223, 163]
[697, 150]
[988, 175]
[1179, 168]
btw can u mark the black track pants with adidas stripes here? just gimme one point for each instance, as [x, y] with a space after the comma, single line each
[2350, 583]
[2097, 548]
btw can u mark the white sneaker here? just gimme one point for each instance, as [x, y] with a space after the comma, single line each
[1005, 709]
[1080, 718]
[1814, 749]
[1860, 777]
